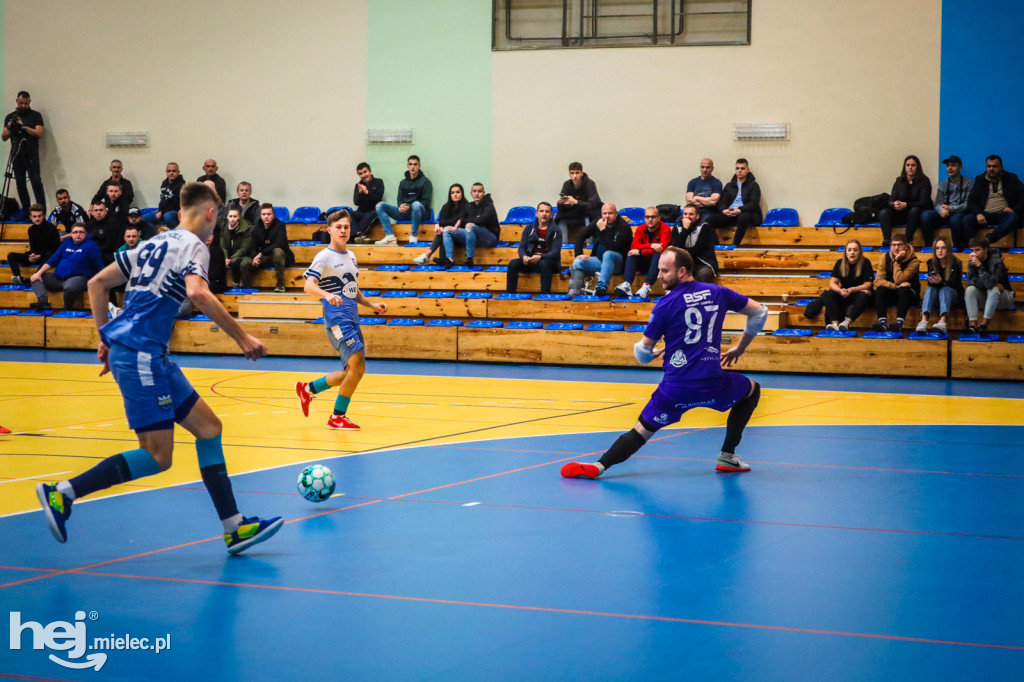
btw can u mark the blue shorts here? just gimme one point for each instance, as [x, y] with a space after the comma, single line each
[346, 340]
[156, 393]
[668, 403]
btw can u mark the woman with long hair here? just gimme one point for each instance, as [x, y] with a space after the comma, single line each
[849, 288]
[945, 286]
[449, 218]
[911, 196]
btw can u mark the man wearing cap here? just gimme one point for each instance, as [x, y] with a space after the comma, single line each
[951, 207]
[146, 230]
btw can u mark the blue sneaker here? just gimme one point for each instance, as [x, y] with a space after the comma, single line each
[252, 531]
[56, 509]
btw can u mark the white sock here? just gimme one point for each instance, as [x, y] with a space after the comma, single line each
[600, 467]
[231, 523]
[65, 487]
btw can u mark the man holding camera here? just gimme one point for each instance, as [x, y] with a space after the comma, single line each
[23, 127]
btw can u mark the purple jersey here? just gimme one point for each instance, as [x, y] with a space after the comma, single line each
[690, 317]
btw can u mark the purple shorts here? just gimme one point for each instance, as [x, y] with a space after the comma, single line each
[668, 403]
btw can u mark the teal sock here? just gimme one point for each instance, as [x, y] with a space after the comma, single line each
[341, 405]
[318, 385]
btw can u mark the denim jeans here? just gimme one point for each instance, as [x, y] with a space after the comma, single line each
[946, 297]
[994, 300]
[170, 219]
[1002, 224]
[476, 235]
[641, 263]
[608, 264]
[417, 213]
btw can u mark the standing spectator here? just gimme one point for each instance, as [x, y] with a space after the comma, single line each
[270, 240]
[988, 281]
[210, 173]
[170, 197]
[740, 204]
[479, 225]
[611, 237]
[578, 201]
[43, 242]
[106, 231]
[704, 192]
[67, 270]
[24, 128]
[414, 195]
[236, 243]
[116, 175]
[945, 286]
[997, 199]
[368, 192]
[911, 196]
[696, 236]
[849, 288]
[540, 249]
[67, 212]
[951, 206]
[649, 241]
[897, 280]
[449, 218]
[244, 202]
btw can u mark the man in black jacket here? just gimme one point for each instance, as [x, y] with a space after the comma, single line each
[106, 230]
[997, 200]
[24, 128]
[67, 213]
[210, 173]
[117, 205]
[540, 249]
[611, 236]
[116, 175]
[578, 201]
[43, 242]
[697, 238]
[170, 197]
[270, 238]
[740, 204]
[478, 227]
[367, 193]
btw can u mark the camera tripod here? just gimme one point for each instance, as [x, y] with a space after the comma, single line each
[8, 176]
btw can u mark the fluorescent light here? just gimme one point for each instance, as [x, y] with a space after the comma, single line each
[760, 131]
[389, 136]
[127, 139]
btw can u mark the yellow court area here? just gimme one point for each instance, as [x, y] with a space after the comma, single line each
[65, 418]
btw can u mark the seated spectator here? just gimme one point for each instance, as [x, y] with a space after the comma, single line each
[43, 242]
[117, 206]
[611, 236]
[911, 196]
[997, 200]
[945, 286]
[578, 201]
[237, 245]
[244, 202]
[951, 207]
[67, 212]
[450, 218]
[146, 230]
[988, 281]
[705, 190]
[210, 173]
[414, 195]
[270, 241]
[849, 288]
[106, 231]
[479, 226]
[649, 241]
[540, 250]
[67, 270]
[897, 281]
[127, 191]
[740, 204]
[368, 192]
[132, 238]
[170, 197]
[698, 238]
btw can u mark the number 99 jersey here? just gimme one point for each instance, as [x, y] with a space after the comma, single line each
[156, 272]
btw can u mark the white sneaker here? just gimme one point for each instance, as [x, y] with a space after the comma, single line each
[387, 241]
[728, 462]
[421, 259]
[624, 290]
[644, 291]
[940, 327]
[922, 327]
[832, 326]
[843, 326]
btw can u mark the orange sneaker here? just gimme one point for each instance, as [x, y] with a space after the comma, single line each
[577, 469]
[305, 397]
[4, 430]
[341, 422]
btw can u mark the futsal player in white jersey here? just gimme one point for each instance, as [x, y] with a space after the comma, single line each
[133, 347]
[331, 279]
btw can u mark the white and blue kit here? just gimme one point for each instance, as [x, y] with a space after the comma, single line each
[336, 272]
[155, 392]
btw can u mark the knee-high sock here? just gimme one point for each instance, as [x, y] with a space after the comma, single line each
[318, 385]
[622, 449]
[121, 468]
[215, 476]
[739, 415]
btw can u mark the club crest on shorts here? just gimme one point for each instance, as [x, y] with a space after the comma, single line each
[662, 418]
[164, 401]
[678, 359]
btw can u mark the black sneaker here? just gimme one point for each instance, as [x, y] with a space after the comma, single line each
[981, 329]
[600, 291]
[444, 262]
[896, 326]
[970, 327]
[468, 263]
[880, 326]
[40, 305]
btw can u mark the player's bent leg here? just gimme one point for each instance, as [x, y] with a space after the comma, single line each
[355, 369]
[739, 415]
[622, 449]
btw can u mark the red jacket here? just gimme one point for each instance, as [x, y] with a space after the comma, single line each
[642, 240]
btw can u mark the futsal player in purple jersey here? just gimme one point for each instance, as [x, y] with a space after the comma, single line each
[690, 319]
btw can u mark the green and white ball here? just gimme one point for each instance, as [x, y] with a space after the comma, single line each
[316, 483]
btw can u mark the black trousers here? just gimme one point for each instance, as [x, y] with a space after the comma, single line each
[903, 297]
[742, 221]
[889, 218]
[838, 308]
[545, 266]
[27, 164]
[19, 260]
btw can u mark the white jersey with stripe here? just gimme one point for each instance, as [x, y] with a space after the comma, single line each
[336, 272]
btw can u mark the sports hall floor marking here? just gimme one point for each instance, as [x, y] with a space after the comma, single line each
[32, 478]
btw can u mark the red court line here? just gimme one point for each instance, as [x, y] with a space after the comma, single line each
[11, 676]
[576, 612]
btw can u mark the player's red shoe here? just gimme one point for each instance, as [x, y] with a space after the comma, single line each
[341, 422]
[305, 397]
[4, 430]
[577, 469]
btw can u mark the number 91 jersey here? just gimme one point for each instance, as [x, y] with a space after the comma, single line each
[156, 271]
[690, 317]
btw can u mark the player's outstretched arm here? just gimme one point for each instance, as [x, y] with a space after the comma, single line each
[199, 291]
[756, 314]
[644, 351]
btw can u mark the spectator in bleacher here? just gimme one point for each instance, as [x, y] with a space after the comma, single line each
[67, 212]
[244, 202]
[116, 175]
[945, 286]
[997, 200]
[414, 196]
[132, 236]
[479, 226]
[849, 288]
[43, 242]
[117, 206]
[540, 250]
[218, 272]
[146, 230]
[698, 238]
[896, 281]
[237, 245]
[740, 203]
[988, 285]
[649, 241]
[67, 270]
[611, 236]
[170, 197]
[24, 128]
[578, 201]
[449, 218]
[704, 191]
[210, 173]
[911, 196]
[270, 240]
[105, 231]
[367, 193]
[951, 206]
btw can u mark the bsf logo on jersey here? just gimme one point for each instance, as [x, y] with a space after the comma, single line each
[697, 296]
[678, 358]
[349, 287]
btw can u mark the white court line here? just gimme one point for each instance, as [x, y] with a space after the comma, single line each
[471, 504]
[29, 478]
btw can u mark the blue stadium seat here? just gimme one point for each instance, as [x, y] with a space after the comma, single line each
[634, 214]
[148, 213]
[306, 214]
[520, 215]
[282, 213]
[832, 217]
[781, 217]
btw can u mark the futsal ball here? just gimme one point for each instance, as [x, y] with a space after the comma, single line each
[316, 483]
